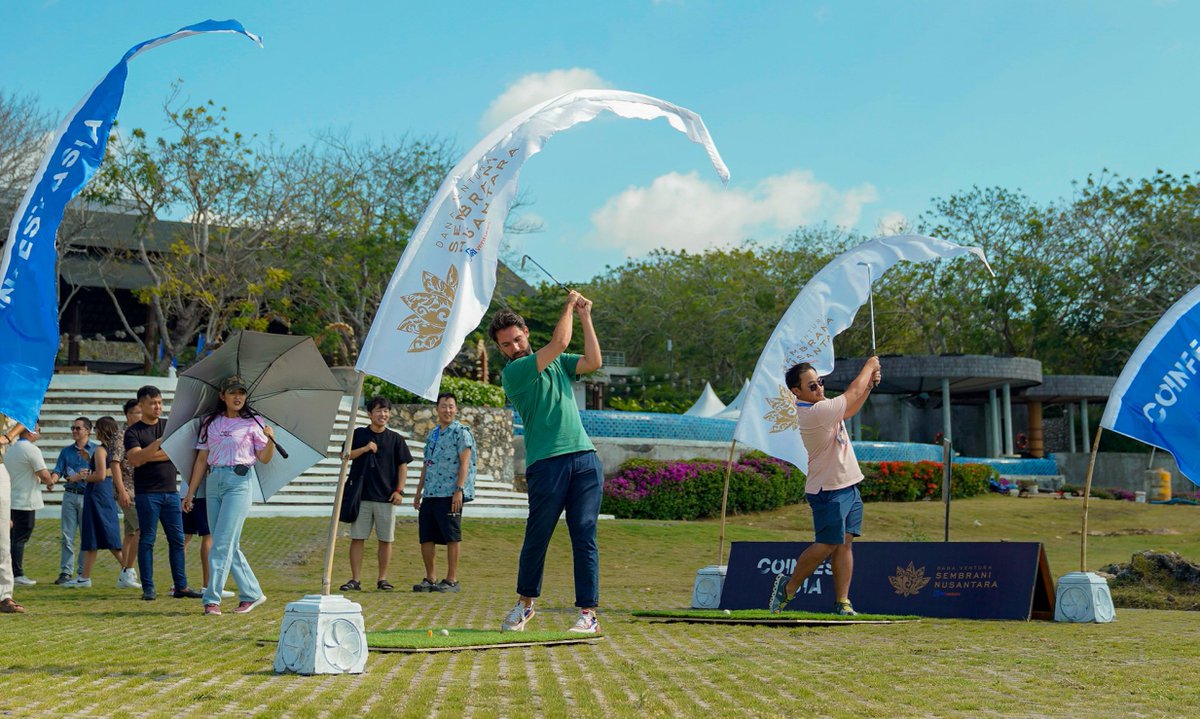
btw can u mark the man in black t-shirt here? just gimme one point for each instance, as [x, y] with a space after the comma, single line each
[380, 468]
[156, 495]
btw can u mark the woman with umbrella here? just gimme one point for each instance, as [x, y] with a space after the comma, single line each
[230, 442]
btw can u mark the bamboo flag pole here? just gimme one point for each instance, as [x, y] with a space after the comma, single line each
[724, 503]
[327, 578]
[1087, 491]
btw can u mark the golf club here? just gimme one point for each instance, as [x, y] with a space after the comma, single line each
[543, 269]
[871, 300]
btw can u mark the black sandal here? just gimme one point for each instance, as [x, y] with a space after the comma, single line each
[351, 586]
[384, 585]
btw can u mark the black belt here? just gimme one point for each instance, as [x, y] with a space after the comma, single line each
[73, 490]
[240, 470]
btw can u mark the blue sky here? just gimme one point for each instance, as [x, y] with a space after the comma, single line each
[855, 114]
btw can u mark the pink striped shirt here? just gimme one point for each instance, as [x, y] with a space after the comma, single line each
[233, 440]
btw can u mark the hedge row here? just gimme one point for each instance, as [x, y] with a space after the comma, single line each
[468, 391]
[911, 481]
[653, 489]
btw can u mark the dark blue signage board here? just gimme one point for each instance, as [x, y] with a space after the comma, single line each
[970, 580]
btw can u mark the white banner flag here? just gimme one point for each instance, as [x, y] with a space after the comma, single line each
[444, 281]
[824, 308]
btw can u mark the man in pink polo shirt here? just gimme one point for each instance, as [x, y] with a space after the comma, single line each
[832, 483]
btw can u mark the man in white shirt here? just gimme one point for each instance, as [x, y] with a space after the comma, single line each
[8, 435]
[26, 470]
[831, 486]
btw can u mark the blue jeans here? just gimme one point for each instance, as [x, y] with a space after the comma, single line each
[72, 520]
[571, 482]
[229, 500]
[153, 507]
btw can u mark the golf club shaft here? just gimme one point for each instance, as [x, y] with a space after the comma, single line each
[871, 302]
[543, 269]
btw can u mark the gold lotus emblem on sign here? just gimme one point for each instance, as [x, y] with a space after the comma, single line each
[908, 582]
[782, 415]
[431, 309]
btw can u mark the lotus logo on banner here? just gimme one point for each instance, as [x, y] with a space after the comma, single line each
[28, 276]
[1157, 397]
[444, 281]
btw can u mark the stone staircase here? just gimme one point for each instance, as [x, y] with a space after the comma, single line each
[309, 495]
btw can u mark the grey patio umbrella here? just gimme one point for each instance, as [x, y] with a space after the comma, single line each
[288, 384]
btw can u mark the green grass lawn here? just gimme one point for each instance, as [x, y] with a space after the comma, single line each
[103, 652]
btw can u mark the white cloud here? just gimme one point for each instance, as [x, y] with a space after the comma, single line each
[537, 87]
[684, 212]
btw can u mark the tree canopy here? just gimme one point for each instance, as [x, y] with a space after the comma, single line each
[307, 238]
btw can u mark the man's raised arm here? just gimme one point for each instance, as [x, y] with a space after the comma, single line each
[591, 359]
[858, 391]
[561, 338]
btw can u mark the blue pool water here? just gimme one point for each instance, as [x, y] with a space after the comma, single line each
[654, 425]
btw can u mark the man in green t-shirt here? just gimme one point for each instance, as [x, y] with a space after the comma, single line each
[561, 467]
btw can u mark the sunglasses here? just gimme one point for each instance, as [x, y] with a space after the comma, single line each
[77, 429]
[812, 386]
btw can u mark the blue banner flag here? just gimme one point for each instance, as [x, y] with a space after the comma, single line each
[1157, 397]
[28, 275]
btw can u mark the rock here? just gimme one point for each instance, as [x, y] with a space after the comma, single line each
[1156, 567]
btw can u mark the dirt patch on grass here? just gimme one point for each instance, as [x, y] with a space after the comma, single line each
[1133, 532]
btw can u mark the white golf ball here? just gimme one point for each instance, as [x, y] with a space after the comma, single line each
[445, 632]
[728, 613]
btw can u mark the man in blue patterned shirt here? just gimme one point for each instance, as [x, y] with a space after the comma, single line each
[447, 481]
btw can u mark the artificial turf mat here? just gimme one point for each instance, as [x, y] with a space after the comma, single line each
[419, 640]
[763, 616]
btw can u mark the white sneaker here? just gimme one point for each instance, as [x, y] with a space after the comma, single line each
[24, 581]
[225, 593]
[128, 579]
[586, 623]
[79, 583]
[517, 618]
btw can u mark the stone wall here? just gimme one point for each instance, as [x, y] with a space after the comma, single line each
[492, 427]
[1121, 470]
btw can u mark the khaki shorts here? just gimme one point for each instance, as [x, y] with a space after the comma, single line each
[381, 516]
[131, 520]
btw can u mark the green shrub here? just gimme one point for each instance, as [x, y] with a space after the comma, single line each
[468, 391]
[653, 489]
[911, 481]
